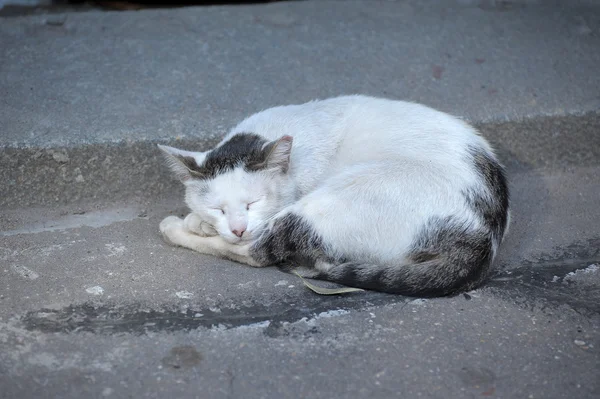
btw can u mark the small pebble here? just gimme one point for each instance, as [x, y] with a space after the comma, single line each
[579, 342]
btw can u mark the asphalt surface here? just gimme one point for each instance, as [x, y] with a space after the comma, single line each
[93, 302]
[86, 96]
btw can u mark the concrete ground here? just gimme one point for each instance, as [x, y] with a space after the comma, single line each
[92, 302]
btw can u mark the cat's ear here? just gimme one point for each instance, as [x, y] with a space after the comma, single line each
[184, 164]
[277, 154]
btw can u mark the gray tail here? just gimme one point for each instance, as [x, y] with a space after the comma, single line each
[441, 264]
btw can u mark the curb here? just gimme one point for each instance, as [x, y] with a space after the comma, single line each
[122, 170]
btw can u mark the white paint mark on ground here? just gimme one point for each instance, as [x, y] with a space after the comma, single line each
[586, 276]
[253, 326]
[96, 290]
[91, 219]
[313, 321]
[115, 249]
[184, 294]
[24, 272]
[281, 282]
[590, 269]
[331, 313]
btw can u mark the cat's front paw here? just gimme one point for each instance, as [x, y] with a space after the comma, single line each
[194, 223]
[170, 227]
[208, 230]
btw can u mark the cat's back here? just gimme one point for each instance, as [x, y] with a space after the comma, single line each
[315, 120]
[333, 134]
[364, 122]
[378, 128]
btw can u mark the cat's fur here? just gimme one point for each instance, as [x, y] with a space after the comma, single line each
[374, 193]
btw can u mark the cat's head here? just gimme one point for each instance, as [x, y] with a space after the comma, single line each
[236, 186]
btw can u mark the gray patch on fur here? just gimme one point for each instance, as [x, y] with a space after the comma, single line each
[289, 240]
[243, 149]
[447, 258]
[492, 206]
[247, 150]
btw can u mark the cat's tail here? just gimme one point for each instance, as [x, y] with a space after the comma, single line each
[459, 264]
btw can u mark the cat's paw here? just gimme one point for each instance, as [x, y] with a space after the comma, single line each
[170, 227]
[194, 223]
[209, 230]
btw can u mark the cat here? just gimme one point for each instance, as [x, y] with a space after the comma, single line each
[366, 192]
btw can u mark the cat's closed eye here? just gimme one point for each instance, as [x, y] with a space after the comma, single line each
[250, 203]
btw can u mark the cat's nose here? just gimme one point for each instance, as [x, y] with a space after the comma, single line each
[238, 232]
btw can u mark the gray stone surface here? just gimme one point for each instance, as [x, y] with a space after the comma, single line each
[85, 96]
[92, 302]
[55, 176]
[109, 77]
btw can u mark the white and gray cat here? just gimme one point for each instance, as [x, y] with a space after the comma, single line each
[379, 194]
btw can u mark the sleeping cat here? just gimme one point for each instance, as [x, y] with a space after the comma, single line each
[367, 192]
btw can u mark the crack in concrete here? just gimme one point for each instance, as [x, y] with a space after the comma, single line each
[109, 319]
